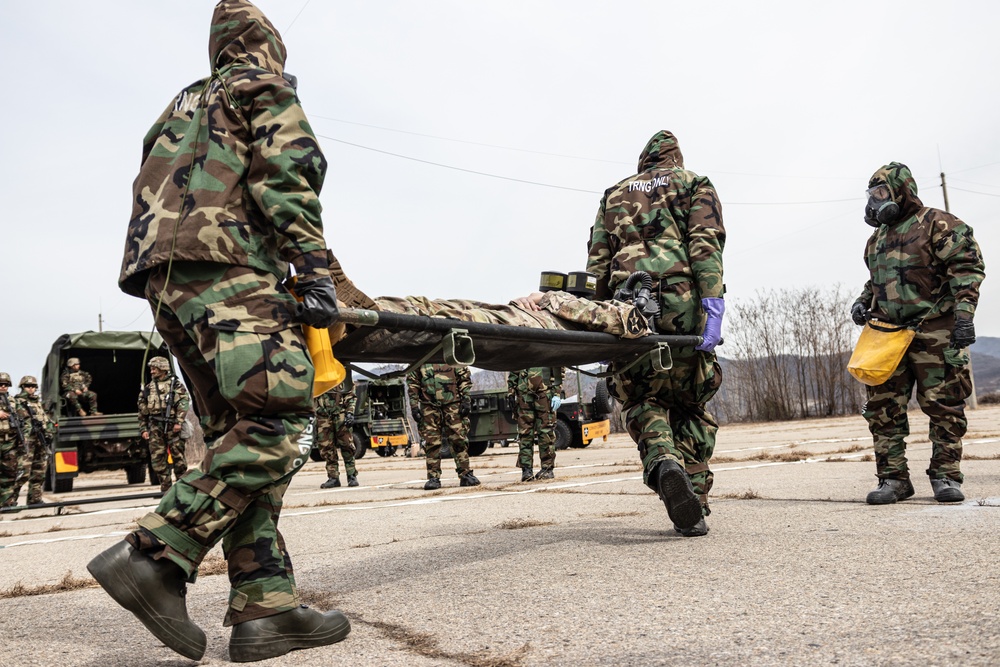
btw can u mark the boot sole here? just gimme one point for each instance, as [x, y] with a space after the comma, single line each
[123, 588]
[262, 648]
[945, 497]
[677, 494]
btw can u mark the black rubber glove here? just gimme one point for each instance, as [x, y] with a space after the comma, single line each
[511, 403]
[319, 302]
[963, 334]
[417, 415]
[859, 313]
[464, 409]
[349, 419]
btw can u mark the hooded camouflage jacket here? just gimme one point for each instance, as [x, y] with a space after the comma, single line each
[535, 383]
[341, 398]
[925, 264]
[439, 384]
[664, 220]
[231, 168]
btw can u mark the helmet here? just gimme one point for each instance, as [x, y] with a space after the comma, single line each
[160, 363]
[4, 377]
[72, 361]
[28, 379]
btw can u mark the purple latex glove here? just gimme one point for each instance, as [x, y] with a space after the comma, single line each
[714, 308]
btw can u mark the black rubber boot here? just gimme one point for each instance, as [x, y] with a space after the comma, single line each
[889, 491]
[947, 490]
[527, 474]
[331, 483]
[352, 480]
[432, 483]
[154, 591]
[697, 530]
[674, 488]
[468, 479]
[276, 635]
[546, 473]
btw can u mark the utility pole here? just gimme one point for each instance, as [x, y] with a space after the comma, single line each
[973, 401]
[100, 322]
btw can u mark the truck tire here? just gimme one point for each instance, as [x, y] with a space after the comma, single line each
[360, 445]
[54, 484]
[603, 403]
[135, 473]
[63, 485]
[385, 450]
[154, 478]
[564, 436]
[478, 448]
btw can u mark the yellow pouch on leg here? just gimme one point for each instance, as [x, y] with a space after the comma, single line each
[879, 350]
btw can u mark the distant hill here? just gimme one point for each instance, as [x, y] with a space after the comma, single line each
[986, 365]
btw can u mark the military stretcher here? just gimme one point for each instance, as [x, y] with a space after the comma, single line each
[381, 337]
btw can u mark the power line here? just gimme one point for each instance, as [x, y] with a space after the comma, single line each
[559, 187]
[985, 194]
[297, 17]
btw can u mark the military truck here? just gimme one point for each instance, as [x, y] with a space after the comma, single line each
[380, 417]
[111, 440]
[577, 423]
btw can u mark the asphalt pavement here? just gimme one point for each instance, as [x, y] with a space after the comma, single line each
[584, 569]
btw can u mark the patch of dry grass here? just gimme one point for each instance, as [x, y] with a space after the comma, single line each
[424, 644]
[516, 524]
[980, 457]
[213, 564]
[67, 583]
[618, 515]
[5, 533]
[749, 494]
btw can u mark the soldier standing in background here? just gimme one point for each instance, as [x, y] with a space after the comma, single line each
[75, 385]
[925, 269]
[441, 402]
[38, 437]
[229, 182]
[334, 418]
[667, 221]
[163, 406]
[12, 437]
[534, 395]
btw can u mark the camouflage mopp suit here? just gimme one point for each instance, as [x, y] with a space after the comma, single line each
[667, 221]
[163, 406]
[437, 393]
[333, 431]
[533, 391]
[225, 202]
[925, 270]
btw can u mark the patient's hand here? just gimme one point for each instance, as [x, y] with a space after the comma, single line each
[529, 302]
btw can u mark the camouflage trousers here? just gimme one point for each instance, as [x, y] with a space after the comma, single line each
[941, 378]
[73, 400]
[160, 445]
[536, 422]
[665, 414]
[333, 434]
[10, 468]
[252, 380]
[437, 424]
[33, 463]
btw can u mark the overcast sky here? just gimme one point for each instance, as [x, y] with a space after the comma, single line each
[787, 106]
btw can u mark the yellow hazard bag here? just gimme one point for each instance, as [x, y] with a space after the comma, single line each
[879, 350]
[329, 371]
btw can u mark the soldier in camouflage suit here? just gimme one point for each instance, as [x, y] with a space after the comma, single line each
[12, 437]
[667, 221]
[226, 200]
[925, 268]
[38, 437]
[334, 418]
[163, 406]
[441, 402]
[75, 385]
[533, 393]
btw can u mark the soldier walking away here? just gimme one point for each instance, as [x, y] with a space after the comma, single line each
[12, 443]
[334, 419]
[534, 395]
[925, 270]
[229, 182]
[163, 406]
[441, 402]
[38, 440]
[75, 385]
[667, 221]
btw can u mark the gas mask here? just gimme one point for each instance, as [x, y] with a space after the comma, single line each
[881, 209]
